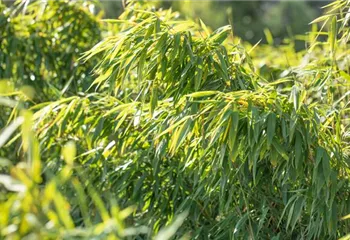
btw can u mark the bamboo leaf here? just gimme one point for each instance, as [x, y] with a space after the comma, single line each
[280, 149]
[271, 127]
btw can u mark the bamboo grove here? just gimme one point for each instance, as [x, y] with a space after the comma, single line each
[151, 126]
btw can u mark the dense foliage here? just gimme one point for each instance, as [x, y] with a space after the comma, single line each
[193, 133]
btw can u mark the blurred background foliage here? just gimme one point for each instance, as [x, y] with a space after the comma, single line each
[284, 18]
[249, 18]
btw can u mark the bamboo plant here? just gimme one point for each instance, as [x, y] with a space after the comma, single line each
[182, 125]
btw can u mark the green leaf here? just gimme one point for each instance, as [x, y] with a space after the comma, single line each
[180, 135]
[326, 165]
[271, 127]
[333, 34]
[169, 231]
[202, 94]
[278, 147]
[69, 152]
[6, 133]
[299, 204]
[269, 37]
[298, 150]
[154, 99]
[206, 30]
